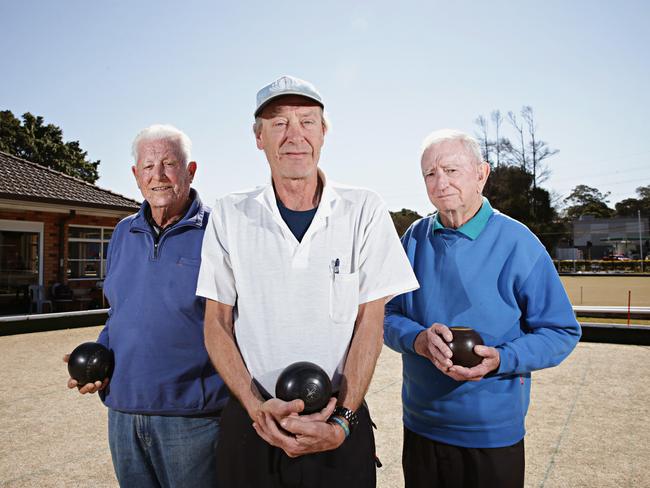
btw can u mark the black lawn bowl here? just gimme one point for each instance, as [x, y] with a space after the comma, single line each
[462, 346]
[306, 381]
[90, 362]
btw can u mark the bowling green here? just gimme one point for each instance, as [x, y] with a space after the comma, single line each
[588, 424]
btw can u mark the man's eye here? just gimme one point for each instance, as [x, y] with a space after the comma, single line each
[308, 122]
[279, 123]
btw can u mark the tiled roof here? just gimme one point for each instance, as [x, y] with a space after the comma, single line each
[24, 180]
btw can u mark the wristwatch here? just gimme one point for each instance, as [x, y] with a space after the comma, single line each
[348, 415]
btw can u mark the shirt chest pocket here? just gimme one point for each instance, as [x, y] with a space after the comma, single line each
[344, 297]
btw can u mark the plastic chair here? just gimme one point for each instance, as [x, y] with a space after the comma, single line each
[37, 297]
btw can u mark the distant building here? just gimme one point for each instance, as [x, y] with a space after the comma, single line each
[600, 238]
[54, 230]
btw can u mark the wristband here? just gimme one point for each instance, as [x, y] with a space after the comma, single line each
[344, 425]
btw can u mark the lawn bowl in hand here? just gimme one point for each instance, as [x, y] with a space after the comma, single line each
[90, 362]
[306, 381]
[462, 346]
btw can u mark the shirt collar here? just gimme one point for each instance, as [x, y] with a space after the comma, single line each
[474, 226]
[268, 199]
[193, 215]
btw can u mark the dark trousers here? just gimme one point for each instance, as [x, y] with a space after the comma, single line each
[244, 459]
[432, 464]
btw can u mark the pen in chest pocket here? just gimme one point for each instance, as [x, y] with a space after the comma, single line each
[335, 265]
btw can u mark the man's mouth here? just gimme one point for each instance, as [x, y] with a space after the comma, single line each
[161, 188]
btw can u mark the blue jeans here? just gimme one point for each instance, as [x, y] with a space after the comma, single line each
[155, 451]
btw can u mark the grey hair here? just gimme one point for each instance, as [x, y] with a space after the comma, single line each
[157, 132]
[257, 126]
[443, 135]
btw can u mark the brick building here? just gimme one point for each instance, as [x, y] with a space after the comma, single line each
[54, 232]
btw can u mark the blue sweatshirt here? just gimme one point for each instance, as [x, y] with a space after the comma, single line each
[155, 324]
[491, 274]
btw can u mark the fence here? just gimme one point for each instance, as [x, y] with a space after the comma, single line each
[584, 266]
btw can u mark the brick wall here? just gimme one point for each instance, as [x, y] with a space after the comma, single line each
[55, 243]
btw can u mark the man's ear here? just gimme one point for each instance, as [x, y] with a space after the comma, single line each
[258, 136]
[483, 172]
[191, 169]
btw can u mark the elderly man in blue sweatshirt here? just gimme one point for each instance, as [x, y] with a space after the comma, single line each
[464, 427]
[165, 397]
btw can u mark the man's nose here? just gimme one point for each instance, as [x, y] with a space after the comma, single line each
[294, 131]
[440, 181]
[159, 171]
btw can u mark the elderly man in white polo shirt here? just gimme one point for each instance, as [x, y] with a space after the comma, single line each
[297, 270]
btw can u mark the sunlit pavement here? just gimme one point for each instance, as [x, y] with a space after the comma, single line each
[588, 424]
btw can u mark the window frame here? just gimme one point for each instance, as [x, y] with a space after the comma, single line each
[101, 241]
[31, 227]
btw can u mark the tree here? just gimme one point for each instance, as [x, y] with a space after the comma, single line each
[43, 144]
[643, 192]
[537, 149]
[507, 189]
[517, 155]
[528, 154]
[510, 190]
[497, 118]
[631, 206]
[586, 200]
[403, 219]
[483, 137]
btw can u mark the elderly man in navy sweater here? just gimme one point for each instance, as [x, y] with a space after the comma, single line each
[164, 397]
[464, 427]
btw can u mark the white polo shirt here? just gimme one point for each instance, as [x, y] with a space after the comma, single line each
[298, 301]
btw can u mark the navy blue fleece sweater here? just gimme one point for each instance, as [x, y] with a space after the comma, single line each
[155, 324]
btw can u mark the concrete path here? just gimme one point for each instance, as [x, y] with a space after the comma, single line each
[588, 425]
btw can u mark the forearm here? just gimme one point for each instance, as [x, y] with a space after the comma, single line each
[226, 358]
[551, 327]
[400, 332]
[542, 348]
[362, 356]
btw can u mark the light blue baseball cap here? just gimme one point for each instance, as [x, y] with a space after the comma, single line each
[287, 85]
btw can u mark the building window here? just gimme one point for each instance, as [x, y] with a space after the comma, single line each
[21, 265]
[87, 249]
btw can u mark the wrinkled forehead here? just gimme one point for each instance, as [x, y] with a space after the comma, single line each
[159, 148]
[287, 103]
[446, 153]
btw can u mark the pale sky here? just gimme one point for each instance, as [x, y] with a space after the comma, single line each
[389, 73]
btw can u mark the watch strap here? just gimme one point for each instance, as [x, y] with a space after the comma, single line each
[347, 414]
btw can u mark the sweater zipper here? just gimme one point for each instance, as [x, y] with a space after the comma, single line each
[157, 240]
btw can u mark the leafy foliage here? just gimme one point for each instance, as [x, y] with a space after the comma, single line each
[403, 219]
[586, 200]
[510, 190]
[631, 206]
[43, 144]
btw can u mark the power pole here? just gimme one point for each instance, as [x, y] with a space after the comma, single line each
[638, 213]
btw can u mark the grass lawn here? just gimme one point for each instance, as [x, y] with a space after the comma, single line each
[601, 320]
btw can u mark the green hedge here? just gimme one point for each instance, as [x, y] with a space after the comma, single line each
[584, 266]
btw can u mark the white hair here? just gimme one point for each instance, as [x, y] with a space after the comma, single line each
[157, 132]
[443, 135]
